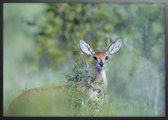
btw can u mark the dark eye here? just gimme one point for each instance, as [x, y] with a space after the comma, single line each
[106, 58]
[95, 58]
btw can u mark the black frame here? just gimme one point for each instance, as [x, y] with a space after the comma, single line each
[90, 1]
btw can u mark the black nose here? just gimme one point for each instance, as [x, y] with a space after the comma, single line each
[101, 64]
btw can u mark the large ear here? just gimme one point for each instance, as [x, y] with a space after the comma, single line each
[115, 47]
[86, 48]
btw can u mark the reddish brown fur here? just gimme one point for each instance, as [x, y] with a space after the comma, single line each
[101, 55]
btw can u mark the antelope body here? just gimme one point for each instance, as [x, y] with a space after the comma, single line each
[54, 101]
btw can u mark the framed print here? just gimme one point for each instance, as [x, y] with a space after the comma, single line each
[84, 58]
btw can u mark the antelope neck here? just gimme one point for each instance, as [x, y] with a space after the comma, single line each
[101, 75]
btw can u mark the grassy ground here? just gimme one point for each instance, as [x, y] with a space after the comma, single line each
[55, 102]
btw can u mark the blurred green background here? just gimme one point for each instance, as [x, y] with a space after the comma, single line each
[41, 45]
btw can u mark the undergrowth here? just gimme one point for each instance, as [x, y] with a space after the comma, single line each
[80, 83]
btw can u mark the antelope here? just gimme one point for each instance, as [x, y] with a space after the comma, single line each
[54, 100]
[100, 57]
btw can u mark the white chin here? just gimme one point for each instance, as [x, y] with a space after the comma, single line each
[100, 68]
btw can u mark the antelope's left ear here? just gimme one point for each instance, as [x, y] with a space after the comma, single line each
[115, 47]
[86, 48]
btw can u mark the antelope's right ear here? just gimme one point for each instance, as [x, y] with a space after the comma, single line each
[115, 47]
[86, 48]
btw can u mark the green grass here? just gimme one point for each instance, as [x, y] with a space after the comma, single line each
[56, 102]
